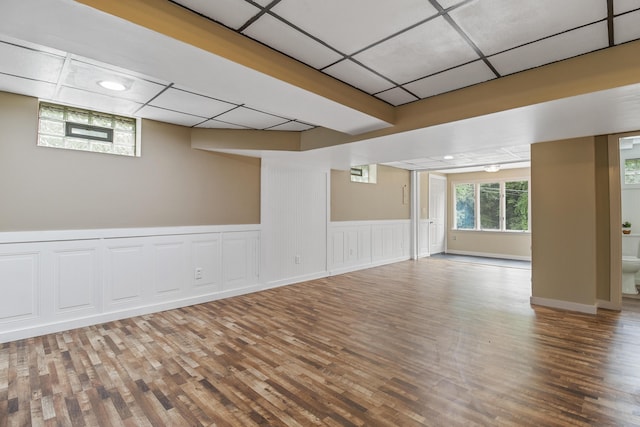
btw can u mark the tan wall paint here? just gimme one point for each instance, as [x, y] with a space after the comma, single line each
[170, 185]
[603, 219]
[563, 195]
[515, 244]
[423, 178]
[354, 201]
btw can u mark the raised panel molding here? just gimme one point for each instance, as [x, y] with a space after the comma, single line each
[124, 277]
[355, 245]
[75, 280]
[55, 285]
[19, 286]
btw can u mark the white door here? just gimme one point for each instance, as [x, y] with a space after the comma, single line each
[437, 213]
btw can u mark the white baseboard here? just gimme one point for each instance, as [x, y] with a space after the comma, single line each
[294, 280]
[356, 267]
[565, 305]
[49, 328]
[489, 255]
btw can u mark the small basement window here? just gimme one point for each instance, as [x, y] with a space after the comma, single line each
[366, 174]
[73, 128]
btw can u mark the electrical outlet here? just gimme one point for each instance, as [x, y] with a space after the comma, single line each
[297, 259]
[198, 273]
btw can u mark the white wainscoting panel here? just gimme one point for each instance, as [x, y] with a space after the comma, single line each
[62, 282]
[126, 272]
[208, 259]
[76, 279]
[355, 245]
[423, 238]
[18, 286]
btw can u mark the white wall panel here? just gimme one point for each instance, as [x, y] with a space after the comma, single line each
[294, 217]
[361, 244]
[76, 279]
[61, 282]
[18, 286]
[125, 267]
[207, 257]
[169, 270]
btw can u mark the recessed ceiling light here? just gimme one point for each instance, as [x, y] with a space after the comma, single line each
[111, 85]
[448, 157]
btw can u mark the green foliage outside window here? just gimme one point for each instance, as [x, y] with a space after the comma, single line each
[465, 206]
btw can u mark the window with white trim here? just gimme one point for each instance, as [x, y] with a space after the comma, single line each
[497, 205]
[71, 128]
[366, 173]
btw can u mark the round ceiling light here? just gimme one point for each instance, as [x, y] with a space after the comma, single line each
[111, 85]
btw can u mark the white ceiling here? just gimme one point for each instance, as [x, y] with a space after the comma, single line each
[399, 52]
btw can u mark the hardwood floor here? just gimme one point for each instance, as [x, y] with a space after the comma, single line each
[431, 343]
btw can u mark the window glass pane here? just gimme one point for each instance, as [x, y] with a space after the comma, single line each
[632, 171]
[465, 206]
[517, 205]
[490, 206]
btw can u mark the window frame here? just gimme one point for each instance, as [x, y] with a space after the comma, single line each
[478, 208]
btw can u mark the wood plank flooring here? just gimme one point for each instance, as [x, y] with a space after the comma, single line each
[426, 343]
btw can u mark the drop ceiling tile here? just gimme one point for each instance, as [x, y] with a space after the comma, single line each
[284, 38]
[84, 76]
[293, 126]
[497, 25]
[565, 45]
[251, 118]
[426, 49]
[621, 6]
[96, 101]
[446, 4]
[27, 87]
[626, 27]
[30, 63]
[455, 78]
[263, 3]
[191, 103]
[358, 76]
[355, 24]
[396, 96]
[162, 115]
[216, 124]
[232, 13]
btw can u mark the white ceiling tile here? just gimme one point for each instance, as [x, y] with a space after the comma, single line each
[431, 47]
[292, 126]
[232, 13]
[396, 96]
[284, 38]
[84, 76]
[162, 115]
[456, 78]
[358, 76]
[96, 101]
[497, 25]
[263, 3]
[251, 118]
[29, 63]
[27, 87]
[191, 103]
[216, 124]
[355, 24]
[446, 4]
[621, 6]
[565, 45]
[626, 27]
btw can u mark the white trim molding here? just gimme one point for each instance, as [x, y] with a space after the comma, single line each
[564, 305]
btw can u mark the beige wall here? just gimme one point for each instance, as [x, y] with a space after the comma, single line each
[563, 195]
[516, 244]
[170, 185]
[355, 201]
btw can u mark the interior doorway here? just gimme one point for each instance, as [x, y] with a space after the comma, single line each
[437, 213]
